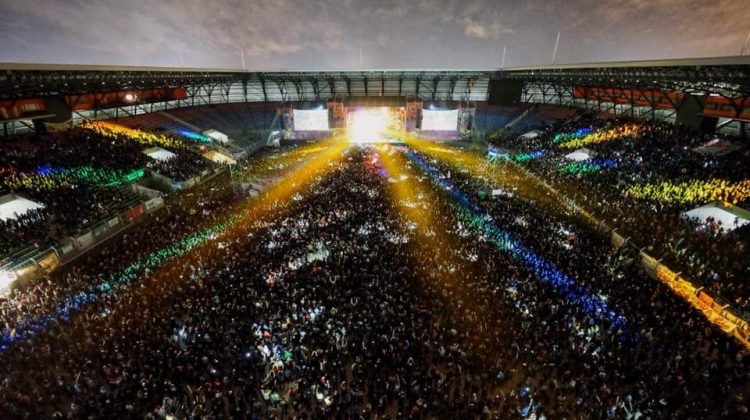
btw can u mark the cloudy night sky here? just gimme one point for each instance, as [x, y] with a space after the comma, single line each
[328, 34]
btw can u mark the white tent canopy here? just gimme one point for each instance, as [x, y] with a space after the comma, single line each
[729, 216]
[13, 206]
[579, 155]
[157, 153]
[216, 135]
[717, 147]
[531, 134]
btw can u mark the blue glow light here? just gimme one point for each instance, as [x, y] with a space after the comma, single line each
[546, 271]
[46, 170]
[523, 157]
[76, 302]
[194, 136]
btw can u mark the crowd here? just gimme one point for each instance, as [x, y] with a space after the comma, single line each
[119, 133]
[691, 192]
[619, 131]
[23, 229]
[78, 176]
[643, 182]
[197, 209]
[184, 165]
[336, 304]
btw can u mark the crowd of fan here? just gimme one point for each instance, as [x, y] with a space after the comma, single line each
[644, 183]
[46, 168]
[71, 148]
[334, 304]
[24, 229]
[183, 166]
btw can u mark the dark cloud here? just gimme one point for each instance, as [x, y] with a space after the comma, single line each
[328, 34]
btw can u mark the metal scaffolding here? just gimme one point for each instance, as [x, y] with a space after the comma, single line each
[557, 84]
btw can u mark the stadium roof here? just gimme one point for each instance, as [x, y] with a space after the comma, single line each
[680, 62]
[728, 76]
[724, 75]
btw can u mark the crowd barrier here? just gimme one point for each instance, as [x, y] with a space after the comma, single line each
[718, 313]
[173, 185]
[39, 262]
[144, 191]
[46, 260]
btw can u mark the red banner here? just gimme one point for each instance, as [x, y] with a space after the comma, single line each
[124, 97]
[720, 106]
[133, 213]
[21, 107]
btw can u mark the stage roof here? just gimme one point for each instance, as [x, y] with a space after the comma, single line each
[679, 62]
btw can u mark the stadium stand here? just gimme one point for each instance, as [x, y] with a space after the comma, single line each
[406, 278]
[247, 125]
[642, 181]
[81, 177]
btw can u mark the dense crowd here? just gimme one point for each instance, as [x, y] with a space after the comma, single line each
[79, 176]
[185, 213]
[183, 166]
[642, 183]
[337, 303]
[23, 229]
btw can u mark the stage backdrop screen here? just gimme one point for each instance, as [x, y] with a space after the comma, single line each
[442, 120]
[311, 120]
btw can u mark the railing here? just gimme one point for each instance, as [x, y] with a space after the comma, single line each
[719, 313]
[516, 120]
[40, 261]
[45, 260]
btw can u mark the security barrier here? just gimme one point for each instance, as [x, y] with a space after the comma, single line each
[720, 314]
[46, 260]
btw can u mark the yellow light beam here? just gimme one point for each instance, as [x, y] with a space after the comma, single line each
[503, 174]
[252, 212]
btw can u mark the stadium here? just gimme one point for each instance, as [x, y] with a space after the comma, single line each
[518, 241]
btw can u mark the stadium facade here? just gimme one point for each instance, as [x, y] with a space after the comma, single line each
[705, 94]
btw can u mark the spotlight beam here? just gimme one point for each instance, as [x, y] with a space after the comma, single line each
[197, 246]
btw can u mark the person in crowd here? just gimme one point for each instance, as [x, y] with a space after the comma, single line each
[333, 304]
[80, 177]
[642, 177]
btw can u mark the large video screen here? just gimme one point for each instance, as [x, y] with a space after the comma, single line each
[311, 120]
[442, 120]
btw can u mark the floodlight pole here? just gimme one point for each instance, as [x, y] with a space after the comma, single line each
[505, 49]
[554, 53]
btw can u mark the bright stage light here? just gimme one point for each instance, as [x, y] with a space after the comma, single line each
[369, 125]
